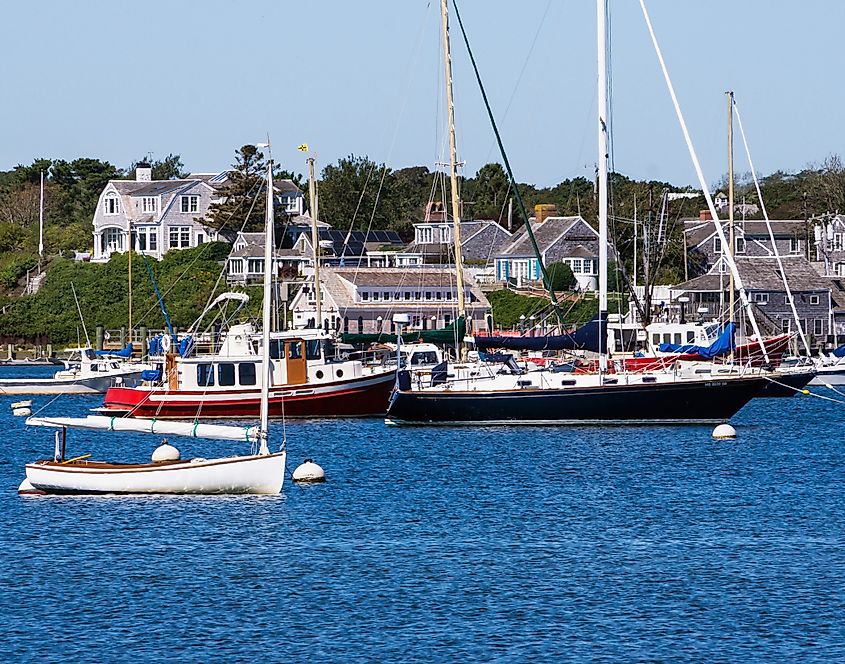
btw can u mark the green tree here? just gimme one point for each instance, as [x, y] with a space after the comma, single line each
[356, 190]
[242, 205]
[561, 277]
[169, 168]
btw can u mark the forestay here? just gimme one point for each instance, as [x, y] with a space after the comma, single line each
[153, 426]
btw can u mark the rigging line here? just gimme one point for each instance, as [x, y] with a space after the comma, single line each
[514, 187]
[769, 228]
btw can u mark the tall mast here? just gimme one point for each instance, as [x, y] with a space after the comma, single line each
[129, 269]
[601, 15]
[731, 241]
[269, 241]
[315, 239]
[453, 172]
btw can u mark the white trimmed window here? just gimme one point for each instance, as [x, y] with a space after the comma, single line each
[817, 326]
[149, 204]
[760, 298]
[740, 245]
[814, 299]
[179, 237]
[111, 204]
[256, 266]
[837, 241]
[190, 204]
[717, 245]
[236, 266]
[794, 245]
[145, 238]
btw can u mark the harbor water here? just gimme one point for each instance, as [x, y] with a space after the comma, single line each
[446, 544]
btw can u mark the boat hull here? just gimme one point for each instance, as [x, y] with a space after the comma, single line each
[678, 402]
[91, 385]
[787, 384]
[360, 397]
[247, 474]
[829, 376]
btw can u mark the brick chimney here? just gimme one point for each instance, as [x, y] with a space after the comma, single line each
[704, 215]
[544, 210]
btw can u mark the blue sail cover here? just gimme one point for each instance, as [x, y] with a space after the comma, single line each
[723, 345]
[585, 337]
[125, 352]
[839, 352]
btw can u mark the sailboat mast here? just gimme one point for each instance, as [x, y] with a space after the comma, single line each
[453, 173]
[601, 26]
[315, 240]
[731, 241]
[129, 270]
[266, 310]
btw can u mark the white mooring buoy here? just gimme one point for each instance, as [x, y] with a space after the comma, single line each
[309, 471]
[22, 408]
[165, 452]
[724, 432]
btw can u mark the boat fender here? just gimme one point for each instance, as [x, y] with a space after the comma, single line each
[165, 343]
[22, 412]
[165, 452]
[309, 471]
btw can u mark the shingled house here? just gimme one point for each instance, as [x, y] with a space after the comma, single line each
[814, 297]
[363, 300]
[570, 240]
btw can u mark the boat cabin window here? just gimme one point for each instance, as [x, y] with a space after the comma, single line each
[655, 339]
[226, 373]
[205, 375]
[312, 349]
[426, 357]
[277, 349]
[246, 373]
[295, 349]
[690, 336]
[329, 349]
[115, 365]
[678, 338]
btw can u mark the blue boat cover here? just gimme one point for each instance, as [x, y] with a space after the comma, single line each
[125, 352]
[839, 352]
[151, 374]
[585, 337]
[723, 345]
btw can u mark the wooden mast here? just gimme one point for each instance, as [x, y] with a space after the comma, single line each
[315, 240]
[731, 241]
[453, 177]
[269, 220]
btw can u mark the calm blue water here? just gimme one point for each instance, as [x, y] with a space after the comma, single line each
[447, 544]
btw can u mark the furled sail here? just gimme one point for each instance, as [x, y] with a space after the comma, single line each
[153, 426]
[585, 337]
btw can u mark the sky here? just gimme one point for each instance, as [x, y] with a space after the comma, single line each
[117, 81]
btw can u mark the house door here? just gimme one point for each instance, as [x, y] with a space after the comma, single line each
[295, 362]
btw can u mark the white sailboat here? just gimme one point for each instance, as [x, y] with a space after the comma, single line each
[261, 473]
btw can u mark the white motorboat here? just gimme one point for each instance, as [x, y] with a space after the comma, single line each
[93, 374]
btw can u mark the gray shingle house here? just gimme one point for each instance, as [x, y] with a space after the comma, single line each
[560, 239]
[363, 300]
[166, 214]
[813, 295]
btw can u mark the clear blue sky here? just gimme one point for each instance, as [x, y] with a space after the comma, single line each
[116, 80]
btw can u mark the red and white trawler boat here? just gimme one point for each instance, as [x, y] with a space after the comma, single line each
[307, 379]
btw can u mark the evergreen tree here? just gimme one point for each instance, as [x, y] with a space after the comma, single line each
[242, 204]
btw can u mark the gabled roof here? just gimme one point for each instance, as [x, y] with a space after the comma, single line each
[763, 274]
[700, 231]
[546, 233]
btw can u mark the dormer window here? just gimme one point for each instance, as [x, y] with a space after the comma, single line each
[740, 245]
[190, 204]
[149, 204]
[111, 204]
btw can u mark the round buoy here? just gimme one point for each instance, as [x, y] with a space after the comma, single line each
[26, 489]
[165, 452]
[724, 432]
[309, 472]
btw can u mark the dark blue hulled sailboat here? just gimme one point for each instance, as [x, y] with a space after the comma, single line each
[511, 396]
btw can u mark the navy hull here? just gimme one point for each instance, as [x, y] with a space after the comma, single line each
[787, 385]
[705, 401]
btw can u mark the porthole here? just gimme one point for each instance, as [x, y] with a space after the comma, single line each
[319, 374]
[340, 373]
